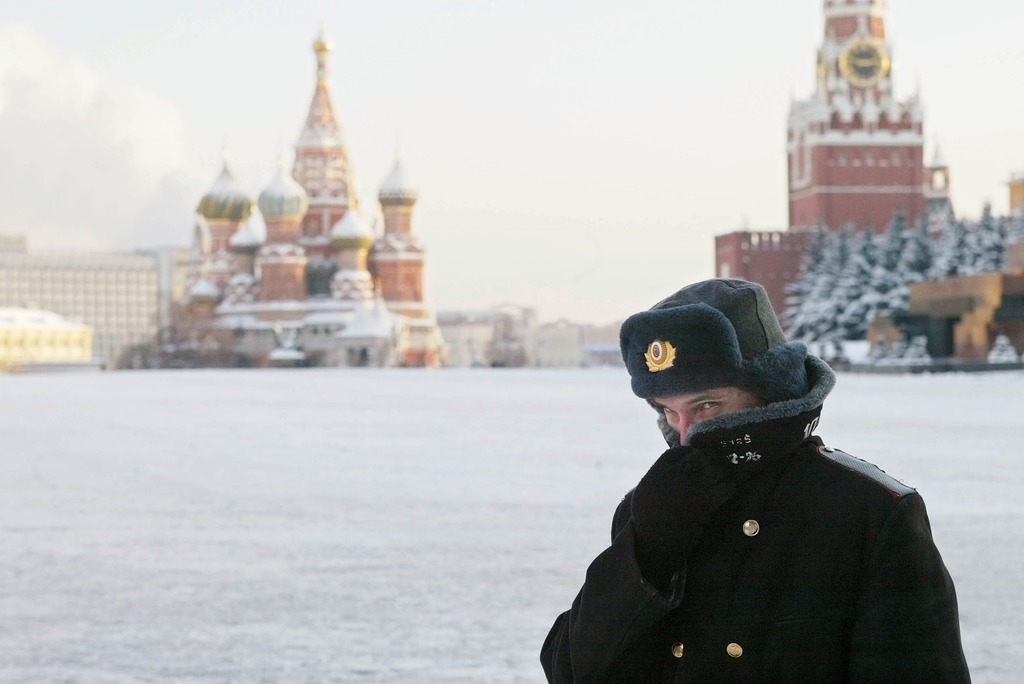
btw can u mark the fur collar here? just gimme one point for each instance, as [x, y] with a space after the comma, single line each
[820, 377]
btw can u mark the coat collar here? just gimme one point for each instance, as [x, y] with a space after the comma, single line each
[753, 434]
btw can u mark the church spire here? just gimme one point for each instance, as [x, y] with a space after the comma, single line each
[321, 129]
[321, 161]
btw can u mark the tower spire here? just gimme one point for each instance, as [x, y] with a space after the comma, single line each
[321, 129]
[321, 161]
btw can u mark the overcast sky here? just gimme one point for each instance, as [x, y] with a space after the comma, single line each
[577, 157]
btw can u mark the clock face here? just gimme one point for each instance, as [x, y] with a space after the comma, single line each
[863, 63]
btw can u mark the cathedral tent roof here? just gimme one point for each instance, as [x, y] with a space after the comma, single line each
[370, 321]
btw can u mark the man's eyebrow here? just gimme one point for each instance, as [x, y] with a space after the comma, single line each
[710, 395]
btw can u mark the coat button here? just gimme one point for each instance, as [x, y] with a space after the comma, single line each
[734, 650]
[751, 528]
[677, 650]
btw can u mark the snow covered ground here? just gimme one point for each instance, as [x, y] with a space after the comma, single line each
[398, 526]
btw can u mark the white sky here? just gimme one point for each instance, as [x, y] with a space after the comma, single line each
[574, 156]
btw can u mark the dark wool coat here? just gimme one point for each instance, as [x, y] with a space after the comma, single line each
[838, 580]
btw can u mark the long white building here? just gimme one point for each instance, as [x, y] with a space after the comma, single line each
[115, 294]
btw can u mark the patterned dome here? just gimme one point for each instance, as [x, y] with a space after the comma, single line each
[351, 233]
[284, 198]
[398, 186]
[225, 200]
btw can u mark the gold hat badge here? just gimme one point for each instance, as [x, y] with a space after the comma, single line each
[660, 355]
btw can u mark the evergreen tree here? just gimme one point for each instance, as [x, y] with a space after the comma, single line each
[917, 259]
[822, 307]
[853, 283]
[990, 243]
[1015, 227]
[1002, 351]
[952, 252]
[917, 352]
[886, 293]
[798, 292]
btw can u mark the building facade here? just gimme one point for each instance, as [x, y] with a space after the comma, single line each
[771, 258]
[855, 154]
[504, 336]
[114, 294]
[322, 264]
[31, 339]
[1016, 190]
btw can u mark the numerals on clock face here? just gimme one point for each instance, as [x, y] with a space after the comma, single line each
[863, 63]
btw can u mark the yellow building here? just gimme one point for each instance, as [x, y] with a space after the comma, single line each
[1016, 192]
[116, 295]
[30, 338]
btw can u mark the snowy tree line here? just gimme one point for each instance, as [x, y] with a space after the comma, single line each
[850, 277]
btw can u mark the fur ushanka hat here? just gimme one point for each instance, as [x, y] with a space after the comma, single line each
[716, 333]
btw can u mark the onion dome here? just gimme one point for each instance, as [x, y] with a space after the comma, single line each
[284, 198]
[225, 200]
[398, 187]
[351, 233]
[244, 241]
[203, 291]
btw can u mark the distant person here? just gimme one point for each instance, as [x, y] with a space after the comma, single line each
[751, 551]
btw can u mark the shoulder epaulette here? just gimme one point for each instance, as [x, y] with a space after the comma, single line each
[868, 470]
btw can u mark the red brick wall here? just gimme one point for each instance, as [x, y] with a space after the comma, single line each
[770, 258]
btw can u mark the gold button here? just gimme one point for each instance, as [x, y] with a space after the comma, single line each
[751, 528]
[734, 650]
[677, 650]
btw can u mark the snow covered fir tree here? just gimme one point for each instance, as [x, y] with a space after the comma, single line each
[967, 276]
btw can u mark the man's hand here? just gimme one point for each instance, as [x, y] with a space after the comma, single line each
[671, 506]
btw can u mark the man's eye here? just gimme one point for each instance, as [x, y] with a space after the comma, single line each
[707, 405]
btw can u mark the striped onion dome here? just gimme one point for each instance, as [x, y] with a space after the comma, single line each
[225, 200]
[284, 198]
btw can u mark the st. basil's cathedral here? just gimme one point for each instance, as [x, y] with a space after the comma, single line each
[330, 284]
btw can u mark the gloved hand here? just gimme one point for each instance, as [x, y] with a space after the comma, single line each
[671, 506]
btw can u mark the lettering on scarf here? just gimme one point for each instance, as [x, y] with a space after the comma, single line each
[749, 457]
[745, 439]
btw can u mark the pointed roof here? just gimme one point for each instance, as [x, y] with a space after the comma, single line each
[938, 159]
[370, 321]
[322, 128]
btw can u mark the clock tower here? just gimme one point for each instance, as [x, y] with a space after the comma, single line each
[855, 152]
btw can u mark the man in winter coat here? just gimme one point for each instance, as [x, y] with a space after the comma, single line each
[751, 551]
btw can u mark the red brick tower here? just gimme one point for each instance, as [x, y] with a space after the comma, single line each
[225, 209]
[282, 263]
[855, 152]
[398, 265]
[321, 163]
[398, 257]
